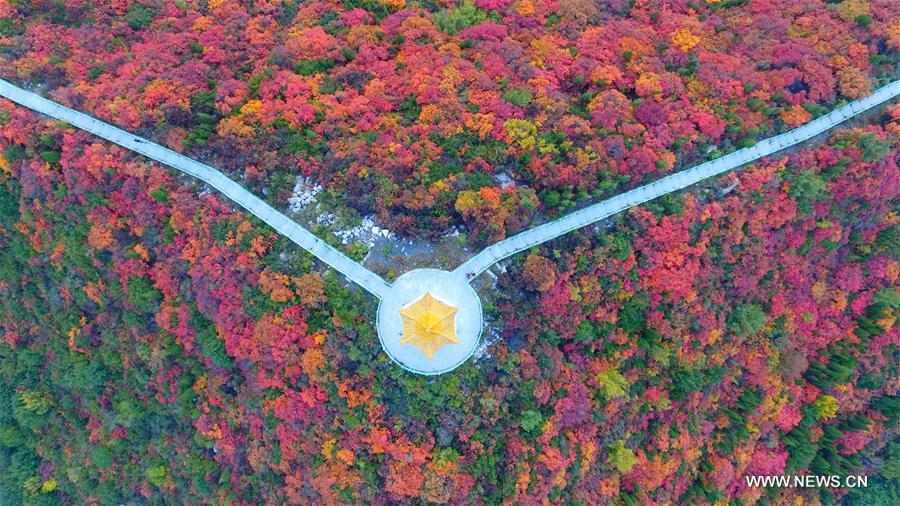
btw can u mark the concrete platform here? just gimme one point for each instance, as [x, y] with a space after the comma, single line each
[448, 288]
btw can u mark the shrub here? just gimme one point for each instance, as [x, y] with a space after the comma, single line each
[747, 320]
[518, 96]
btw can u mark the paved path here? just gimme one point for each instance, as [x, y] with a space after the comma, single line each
[281, 223]
[490, 255]
[542, 233]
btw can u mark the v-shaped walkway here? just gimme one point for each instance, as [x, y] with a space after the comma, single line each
[452, 286]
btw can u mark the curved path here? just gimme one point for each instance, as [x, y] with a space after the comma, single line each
[542, 233]
[281, 223]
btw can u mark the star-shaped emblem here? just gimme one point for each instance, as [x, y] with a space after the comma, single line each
[428, 324]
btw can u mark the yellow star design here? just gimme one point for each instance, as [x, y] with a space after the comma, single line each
[428, 324]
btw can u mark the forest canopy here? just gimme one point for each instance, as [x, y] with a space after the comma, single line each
[431, 115]
[158, 345]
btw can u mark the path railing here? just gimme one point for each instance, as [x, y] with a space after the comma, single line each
[591, 214]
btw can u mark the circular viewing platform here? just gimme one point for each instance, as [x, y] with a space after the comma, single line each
[430, 321]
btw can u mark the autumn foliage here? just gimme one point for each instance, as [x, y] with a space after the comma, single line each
[701, 338]
[157, 345]
[438, 114]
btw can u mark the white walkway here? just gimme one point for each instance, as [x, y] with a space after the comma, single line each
[490, 255]
[537, 235]
[281, 223]
[454, 287]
